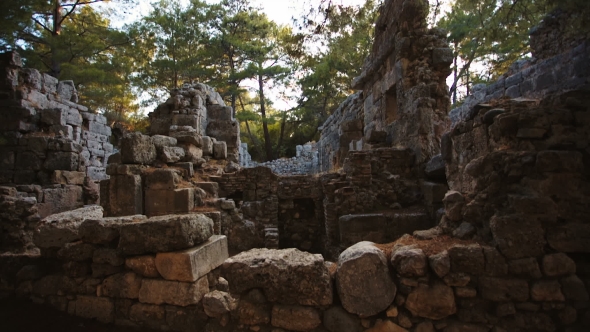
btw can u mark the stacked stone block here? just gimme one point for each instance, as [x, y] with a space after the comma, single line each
[131, 271]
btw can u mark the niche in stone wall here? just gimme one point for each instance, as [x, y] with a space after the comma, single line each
[391, 105]
[299, 226]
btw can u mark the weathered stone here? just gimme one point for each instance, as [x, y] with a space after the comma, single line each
[440, 263]
[253, 314]
[106, 230]
[172, 154]
[156, 291]
[59, 229]
[161, 141]
[295, 318]
[464, 231]
[191, 264]
[220, 150]
[547, 291]
[137, 149]
[76, 251]
[217, 304]
[363, 281]
[287, 276]
[435, 168]
[101, 308]
[465, 292]
[123, 285]
[143, 265]
[337, 319]
[67, 161]
[518, 236]
[525, 267]
[169, 201]
[457, 279]
[108, 256]
[122, 195]
[362, 227]
[103, 270]
[386, 326]
[434, 302]
[409, 261]
[574, 289]
[164, 233]
[189, 319]
[467, 259]
[495, 263]
[163, 179]
[559, 264]
[454, 203]
[503, 290]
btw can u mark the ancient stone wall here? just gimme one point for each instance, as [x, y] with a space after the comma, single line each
[51, 151]
[556, 34]
[340, 129]
[563, 72]
[306, 161]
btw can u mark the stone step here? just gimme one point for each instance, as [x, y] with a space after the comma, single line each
[271, 237]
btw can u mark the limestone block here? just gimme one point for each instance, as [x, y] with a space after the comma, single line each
[160, 126]
[67, 161]
[99, 128]
[547, 291]
[187, 137]
[518, 236]
[122, 285]
[64, 198]
[137, 149]
[67, 91]
[363, 281]
[192, 153]
[362, 227]
[172, 154]
[409, 261]
[190, 120]
[287, 276]
[183, 294]
[68, 177]
[123, 195]
[101, 308]
[253, 313]
[440, 263]
[59, 229]
[54, 116]
[192, 264]
[161, 202]
[108, 256]
[162, 179]
[467, 259]
[165, 233]
[105, 230]
[295, 318]
[220, 150]
[433, 302]
[217, 303]
[74, 118]
[143, 265]
[219, 113]
[76, 251]
[212, 188]
[207, 145]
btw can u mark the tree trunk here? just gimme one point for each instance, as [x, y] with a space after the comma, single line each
[55, 69]
[267, 144]
[455, 72]
[253, 139]
[283, 122]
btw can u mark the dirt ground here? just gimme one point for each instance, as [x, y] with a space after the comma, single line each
[21, 316]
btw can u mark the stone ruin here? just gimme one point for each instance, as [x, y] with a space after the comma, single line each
[413, 219]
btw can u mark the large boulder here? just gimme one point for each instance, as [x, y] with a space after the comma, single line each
[61, 228]
[287, 276]
[137, 149]
[363, 280]
[164, 233]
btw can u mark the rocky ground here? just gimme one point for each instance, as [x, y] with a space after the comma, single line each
[23, 316]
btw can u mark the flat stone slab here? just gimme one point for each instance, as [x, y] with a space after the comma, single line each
[61, 228]
[192, 264]
[164, 233]
[287, 276]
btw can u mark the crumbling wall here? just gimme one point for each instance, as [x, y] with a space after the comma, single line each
[52, 150]
[556, 34]
[306, 161]
[533, 79]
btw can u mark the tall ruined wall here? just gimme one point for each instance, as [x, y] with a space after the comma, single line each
[52, 150]
[405, 100]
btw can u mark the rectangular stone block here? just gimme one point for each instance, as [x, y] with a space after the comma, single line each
[207, 145]
[220, 150]
[192, 264]
[68, 177]
[67, 161]
[162, 179]
[362, 227]
[183, 294]
[162, 202]
[124, 195]
[164, 233]
[185, 120]
[219, 113]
